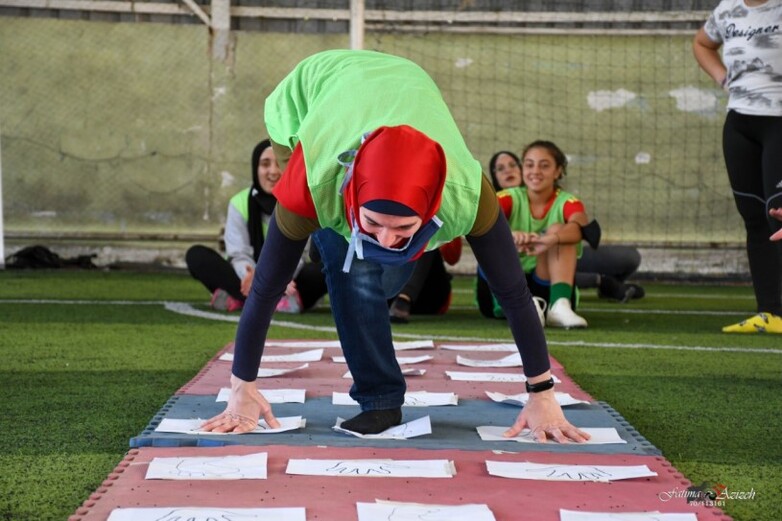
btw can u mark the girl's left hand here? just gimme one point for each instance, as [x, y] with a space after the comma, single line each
[543, 416]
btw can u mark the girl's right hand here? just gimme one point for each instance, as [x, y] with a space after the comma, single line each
[777, 214]
[247, 281]
[522, 240]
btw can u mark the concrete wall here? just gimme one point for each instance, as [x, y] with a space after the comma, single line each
[135, 128]
[129, 127]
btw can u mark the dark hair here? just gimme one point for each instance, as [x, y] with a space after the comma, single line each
[559, 157]
[259, 202]
[493, 166]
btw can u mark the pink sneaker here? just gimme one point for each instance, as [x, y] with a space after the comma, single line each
[222, 301]
[290, 304]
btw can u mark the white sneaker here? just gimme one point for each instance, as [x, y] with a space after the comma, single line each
[560, 314]
[540, 306]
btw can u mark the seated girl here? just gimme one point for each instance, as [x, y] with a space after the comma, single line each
[546, 222]
[228, 278]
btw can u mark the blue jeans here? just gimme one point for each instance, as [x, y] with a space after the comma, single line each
[359, 305]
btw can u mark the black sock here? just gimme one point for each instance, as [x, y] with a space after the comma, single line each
[374, 422]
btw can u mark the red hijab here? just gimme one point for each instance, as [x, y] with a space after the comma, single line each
[398, 164]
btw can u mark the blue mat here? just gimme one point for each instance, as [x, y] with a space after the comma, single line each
[453, 427]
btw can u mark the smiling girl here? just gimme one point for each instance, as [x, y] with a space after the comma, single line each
[546, 224]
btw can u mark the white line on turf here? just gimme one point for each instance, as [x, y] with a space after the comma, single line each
[651, 295]
[187, 309]
[183, 308]
[229, 318]
[87, 302]
[632, 311]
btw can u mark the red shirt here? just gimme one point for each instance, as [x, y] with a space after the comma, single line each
[292, 190]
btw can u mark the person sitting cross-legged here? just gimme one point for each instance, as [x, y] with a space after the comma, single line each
[228, 278]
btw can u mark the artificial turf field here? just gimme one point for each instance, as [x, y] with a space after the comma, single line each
[89, 358]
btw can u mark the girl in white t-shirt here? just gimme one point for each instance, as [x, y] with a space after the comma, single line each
[750, 69]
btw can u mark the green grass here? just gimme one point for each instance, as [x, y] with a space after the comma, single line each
[79, 380]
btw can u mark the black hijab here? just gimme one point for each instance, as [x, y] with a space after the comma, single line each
[493, 167]
[259, 204]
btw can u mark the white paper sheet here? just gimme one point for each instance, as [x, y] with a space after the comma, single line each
[512, 360]
[399, 346]
[407, 371]
[577, 515]
[193, 426]
[407, 360]
[564, 472]
[264, 372]
[313, 355]
[394, 511]
[476, 376]
[249, 466]
[306, 344]
[463, 376]
[419, 427]
[372, 468]
[481, 347]
[412, 399]
[207, 513]
[600, 435]
[413, 344]
[271, 395]
[564, 399]
[401, 360]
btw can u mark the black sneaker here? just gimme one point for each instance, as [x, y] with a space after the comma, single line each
[633, 292]
[374, 422]
[611, 288]
[399, 312]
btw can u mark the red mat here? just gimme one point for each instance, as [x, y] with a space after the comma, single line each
[335, 498]
[325, 377]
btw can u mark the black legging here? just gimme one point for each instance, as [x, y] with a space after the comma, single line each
[214, 271]
[614, 260]
[752, 146]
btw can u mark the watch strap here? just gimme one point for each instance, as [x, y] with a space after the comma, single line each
[540, 386]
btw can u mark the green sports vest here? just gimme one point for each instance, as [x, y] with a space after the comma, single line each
[240, 201]
[521, 218]
[333, 98]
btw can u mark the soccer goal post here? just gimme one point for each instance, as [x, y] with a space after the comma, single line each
[2, 231]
